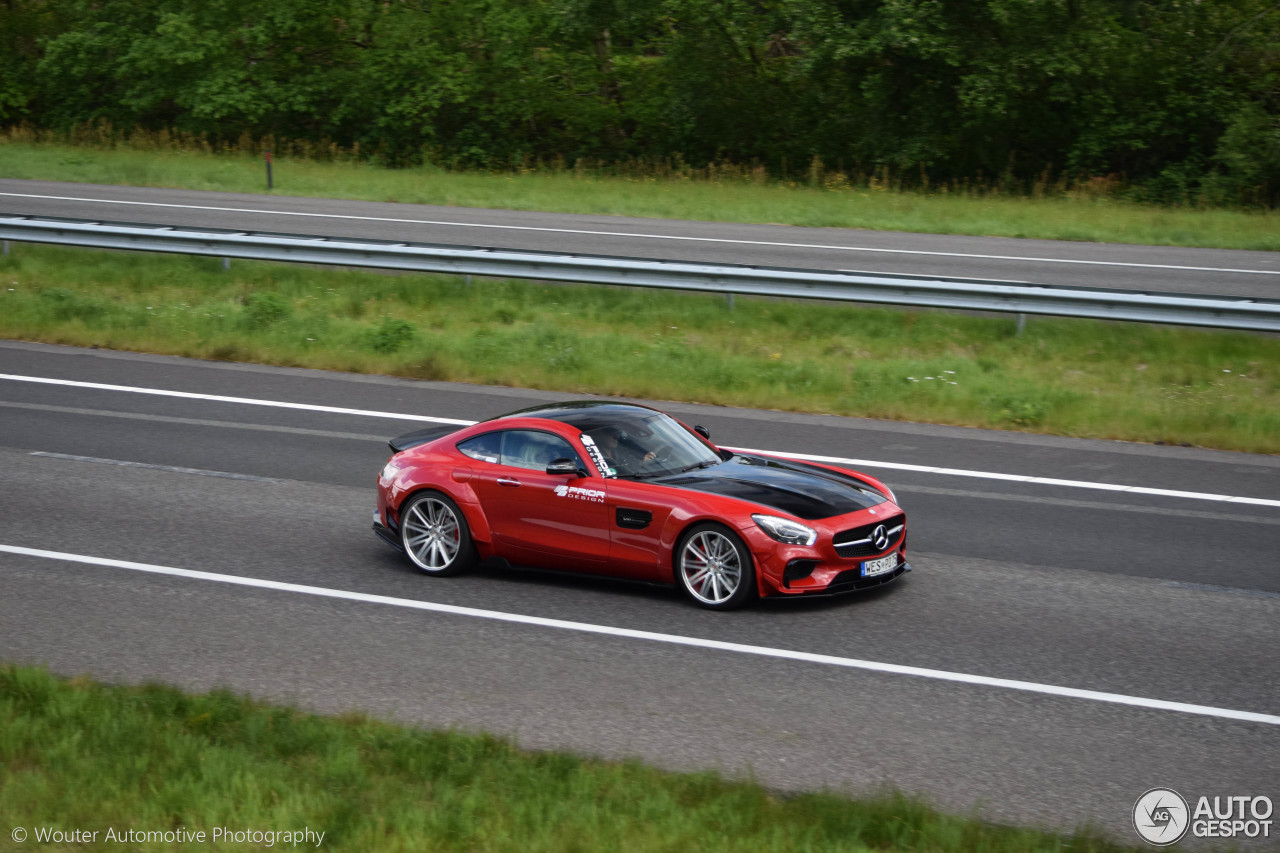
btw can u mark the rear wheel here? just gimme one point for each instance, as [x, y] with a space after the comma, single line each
[714, 567]
[435, 535]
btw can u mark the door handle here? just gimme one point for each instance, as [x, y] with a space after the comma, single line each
[508, 481]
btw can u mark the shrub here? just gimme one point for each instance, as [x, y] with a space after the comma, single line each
[391, 335]
[265, 308]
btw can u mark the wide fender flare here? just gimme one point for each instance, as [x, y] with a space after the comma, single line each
[680, 520]
[461, 493]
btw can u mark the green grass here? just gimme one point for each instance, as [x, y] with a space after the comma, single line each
[1067, 377]
[79, 754]
[729, 194]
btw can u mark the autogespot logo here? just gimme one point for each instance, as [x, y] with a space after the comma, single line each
[1160, 816]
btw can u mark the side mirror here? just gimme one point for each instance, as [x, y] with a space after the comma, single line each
[702, 431]
[565, 466]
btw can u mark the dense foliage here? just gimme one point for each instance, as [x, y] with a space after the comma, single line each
[1181, 98]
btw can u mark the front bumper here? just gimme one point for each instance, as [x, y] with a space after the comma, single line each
[799, 570]
[854, 582]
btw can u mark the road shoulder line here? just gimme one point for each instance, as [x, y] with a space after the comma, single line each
[861, 463]
[672, 639]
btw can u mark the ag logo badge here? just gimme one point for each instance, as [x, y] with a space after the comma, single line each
[1161, 817]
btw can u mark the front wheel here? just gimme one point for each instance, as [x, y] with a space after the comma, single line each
[435, 535]
[714, 567]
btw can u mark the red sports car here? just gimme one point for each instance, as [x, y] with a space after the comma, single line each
[626, 490]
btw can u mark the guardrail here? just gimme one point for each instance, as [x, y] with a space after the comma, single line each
[728, 279]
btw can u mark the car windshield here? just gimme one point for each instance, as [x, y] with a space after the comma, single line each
[650, 446]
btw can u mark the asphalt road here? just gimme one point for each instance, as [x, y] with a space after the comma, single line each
[1157, 268]
[1147, 596]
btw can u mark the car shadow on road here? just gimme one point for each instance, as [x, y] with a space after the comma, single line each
[538, 582]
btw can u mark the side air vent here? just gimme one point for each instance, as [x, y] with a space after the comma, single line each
[797, 569]
[633, 519]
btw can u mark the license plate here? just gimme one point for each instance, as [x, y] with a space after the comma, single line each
[871, 568]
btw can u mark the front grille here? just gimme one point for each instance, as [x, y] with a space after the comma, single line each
[859, 542]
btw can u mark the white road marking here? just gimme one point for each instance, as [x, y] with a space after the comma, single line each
[1017, 478]
[167, 419]
[173, 469]
[248, 401]
[641, 235]
[1225, 590]
[838, 460]
[673, 639]
[1068, 502]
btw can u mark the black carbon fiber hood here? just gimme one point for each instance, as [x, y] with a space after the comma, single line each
[804, 491]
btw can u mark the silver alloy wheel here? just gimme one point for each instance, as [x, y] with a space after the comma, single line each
[432, 535]
[710, 567]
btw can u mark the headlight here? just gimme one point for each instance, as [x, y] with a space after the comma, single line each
[786, 530]
[390, 469]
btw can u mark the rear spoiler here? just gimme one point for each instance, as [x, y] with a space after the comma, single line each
[419, 436]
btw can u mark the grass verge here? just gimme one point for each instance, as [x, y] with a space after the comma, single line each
[79, 754]
[730, 194]
[1068, 377]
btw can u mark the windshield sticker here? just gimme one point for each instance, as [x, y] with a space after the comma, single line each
[593, 495]
[597, 457]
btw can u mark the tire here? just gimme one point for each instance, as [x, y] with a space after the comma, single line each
[714, 568]
[435, 536]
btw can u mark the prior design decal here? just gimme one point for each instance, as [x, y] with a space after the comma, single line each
[597, 457]
[593, 495]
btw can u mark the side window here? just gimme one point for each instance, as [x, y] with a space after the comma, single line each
[486, 448]
[526, 448]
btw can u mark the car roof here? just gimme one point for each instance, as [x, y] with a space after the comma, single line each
[588, 415]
